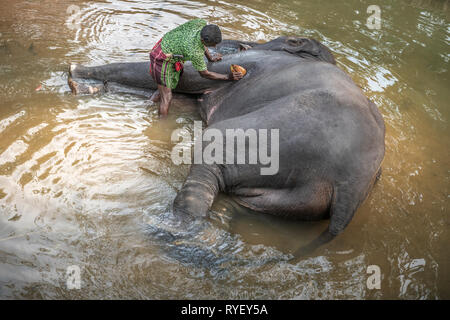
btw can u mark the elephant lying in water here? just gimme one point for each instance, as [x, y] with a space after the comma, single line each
[331, 137]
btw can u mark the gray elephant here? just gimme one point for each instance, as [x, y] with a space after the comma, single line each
[331, 137]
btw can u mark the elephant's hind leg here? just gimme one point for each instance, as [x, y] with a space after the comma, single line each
[309, 202]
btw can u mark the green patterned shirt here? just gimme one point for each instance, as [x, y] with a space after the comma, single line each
[185, 40]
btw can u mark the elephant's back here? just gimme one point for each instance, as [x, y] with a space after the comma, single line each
[276, 76]
[326, 124]
[320, 134]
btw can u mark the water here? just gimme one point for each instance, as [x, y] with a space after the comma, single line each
[82, 178]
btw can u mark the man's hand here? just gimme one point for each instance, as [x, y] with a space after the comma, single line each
[235, 76]
[216, 57]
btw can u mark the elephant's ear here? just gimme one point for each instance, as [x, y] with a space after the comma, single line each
[311, 48]
[244, 47]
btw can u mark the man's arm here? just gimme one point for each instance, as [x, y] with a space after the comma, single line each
[218, 76]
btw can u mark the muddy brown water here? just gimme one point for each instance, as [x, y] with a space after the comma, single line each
[81, 177]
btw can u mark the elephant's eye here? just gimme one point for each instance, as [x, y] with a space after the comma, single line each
[294, 42]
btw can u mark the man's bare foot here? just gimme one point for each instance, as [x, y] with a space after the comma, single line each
[72, 68]
[155, 97]
[73, 86]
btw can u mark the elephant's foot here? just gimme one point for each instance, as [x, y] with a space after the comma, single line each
[198, 242]
[78, 88]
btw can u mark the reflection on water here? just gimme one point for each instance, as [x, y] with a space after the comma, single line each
[83, 178]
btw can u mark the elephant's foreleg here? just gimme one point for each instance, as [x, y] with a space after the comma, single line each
[199, 191]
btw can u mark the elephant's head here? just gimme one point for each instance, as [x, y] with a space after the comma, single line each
[302, 47]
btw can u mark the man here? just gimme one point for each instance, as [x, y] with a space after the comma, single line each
[187, 42]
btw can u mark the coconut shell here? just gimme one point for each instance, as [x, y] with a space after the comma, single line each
[238, 68]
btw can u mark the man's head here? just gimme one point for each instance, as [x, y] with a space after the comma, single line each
[211, 35]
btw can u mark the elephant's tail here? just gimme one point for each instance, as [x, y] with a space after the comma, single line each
[345, 201]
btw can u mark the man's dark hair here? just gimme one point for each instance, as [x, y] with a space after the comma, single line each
[211, 34]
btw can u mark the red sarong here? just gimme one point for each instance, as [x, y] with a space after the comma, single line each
[164, 71]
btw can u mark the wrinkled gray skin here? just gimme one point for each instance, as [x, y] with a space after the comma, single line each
[331, 135]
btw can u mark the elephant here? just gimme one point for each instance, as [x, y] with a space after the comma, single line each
[331, 136]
